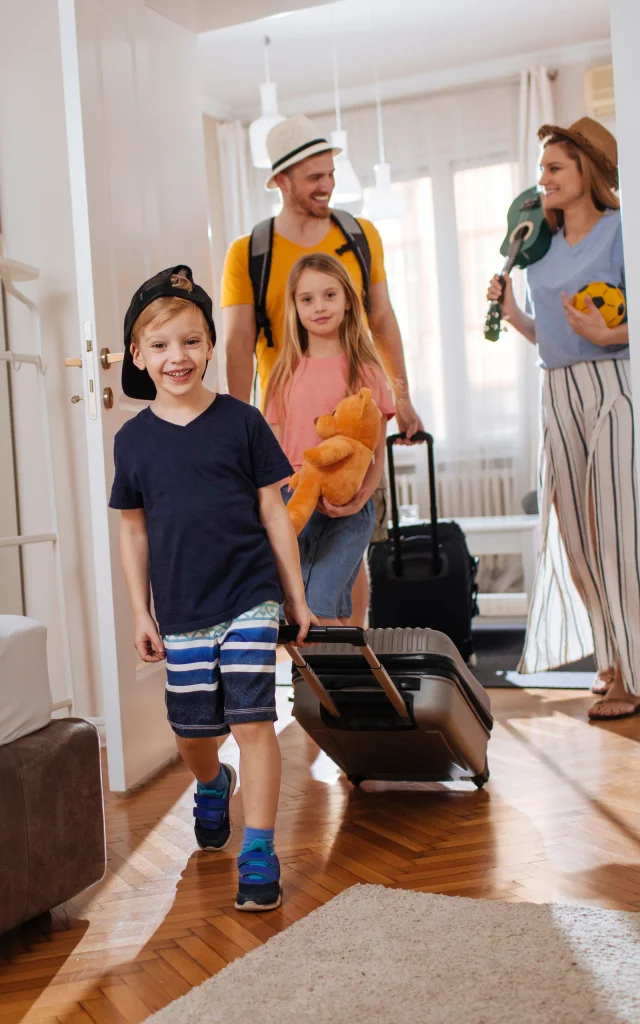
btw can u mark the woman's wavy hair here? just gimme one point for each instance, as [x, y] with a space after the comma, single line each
[355, 335]
[595, 182]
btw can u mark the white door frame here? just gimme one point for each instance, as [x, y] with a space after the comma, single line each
[625, 41]
[106, 638]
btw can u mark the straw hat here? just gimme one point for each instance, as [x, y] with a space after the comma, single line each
[293, 140]
[593, 139]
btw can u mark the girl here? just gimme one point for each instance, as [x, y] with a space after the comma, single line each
[589, 496]
[327, 353]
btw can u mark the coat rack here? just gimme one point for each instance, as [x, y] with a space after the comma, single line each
[10, 272]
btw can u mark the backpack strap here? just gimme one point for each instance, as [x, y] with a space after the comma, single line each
[260, 250]
[356, 242]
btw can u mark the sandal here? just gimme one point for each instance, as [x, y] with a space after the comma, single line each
[595, 717]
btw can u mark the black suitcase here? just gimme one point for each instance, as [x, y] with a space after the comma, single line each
[391, 704]
[423, 576]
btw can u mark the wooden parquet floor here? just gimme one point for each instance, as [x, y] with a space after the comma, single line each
[558, 822]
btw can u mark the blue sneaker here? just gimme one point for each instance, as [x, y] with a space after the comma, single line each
[213, 810]
[259, 885]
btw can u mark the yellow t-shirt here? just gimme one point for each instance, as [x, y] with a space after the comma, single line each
[237, 289]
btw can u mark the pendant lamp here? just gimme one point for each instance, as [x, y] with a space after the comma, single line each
[384, 202]
[347, 186]
[260, 128]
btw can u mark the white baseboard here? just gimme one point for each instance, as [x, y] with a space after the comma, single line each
[502, 606]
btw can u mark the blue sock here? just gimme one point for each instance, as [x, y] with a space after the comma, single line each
[263, 837]
[257, 839]
[218, 786]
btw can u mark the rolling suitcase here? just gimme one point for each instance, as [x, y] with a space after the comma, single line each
[392, 704]
[423, 576]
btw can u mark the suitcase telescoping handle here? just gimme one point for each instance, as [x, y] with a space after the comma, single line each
[353, 635]
[421, 435]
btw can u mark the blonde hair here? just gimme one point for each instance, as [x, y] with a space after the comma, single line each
[594, 180]
[355, 335]
[161, 311]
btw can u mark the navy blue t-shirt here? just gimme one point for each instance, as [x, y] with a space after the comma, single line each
[210, 557]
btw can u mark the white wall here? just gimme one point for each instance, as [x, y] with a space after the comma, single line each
[460, 125]
[36, 223]
[569, 93]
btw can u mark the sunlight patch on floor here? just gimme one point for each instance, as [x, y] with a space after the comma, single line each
[325, 770]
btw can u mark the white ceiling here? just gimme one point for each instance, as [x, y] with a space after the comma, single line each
[203, 15]
[420, 44]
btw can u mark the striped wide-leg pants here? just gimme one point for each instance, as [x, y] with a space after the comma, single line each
[587, 592]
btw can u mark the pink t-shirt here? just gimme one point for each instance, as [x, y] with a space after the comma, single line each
[316, 388]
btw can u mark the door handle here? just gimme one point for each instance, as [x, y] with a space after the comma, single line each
[107, 358]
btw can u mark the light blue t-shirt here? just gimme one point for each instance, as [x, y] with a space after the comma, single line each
[566, 268]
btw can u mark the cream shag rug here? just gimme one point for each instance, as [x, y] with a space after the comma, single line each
[386, 956]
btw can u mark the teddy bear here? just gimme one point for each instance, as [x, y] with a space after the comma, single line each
[336, 467]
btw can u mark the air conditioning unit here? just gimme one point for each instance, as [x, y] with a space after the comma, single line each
[598, 87]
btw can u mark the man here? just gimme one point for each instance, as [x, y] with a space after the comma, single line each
[302, 166]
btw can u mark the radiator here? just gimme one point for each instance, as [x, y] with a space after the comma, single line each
[476, 489]
[406, 488]
[463, 489]
[473, 488]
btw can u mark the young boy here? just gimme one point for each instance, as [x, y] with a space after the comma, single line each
[197, 477]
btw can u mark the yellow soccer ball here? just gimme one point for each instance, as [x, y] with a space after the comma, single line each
[609, 300]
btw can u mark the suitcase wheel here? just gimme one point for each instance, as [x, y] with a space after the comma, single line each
[479, 780]
[355, 780]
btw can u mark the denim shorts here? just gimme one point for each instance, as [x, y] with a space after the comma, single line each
[223, 675]
[331, 551]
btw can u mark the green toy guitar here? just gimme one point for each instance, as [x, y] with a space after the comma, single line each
[527, 241]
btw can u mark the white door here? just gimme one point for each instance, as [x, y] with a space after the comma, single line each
[136, 160]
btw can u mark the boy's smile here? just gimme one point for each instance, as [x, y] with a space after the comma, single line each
[179, 376]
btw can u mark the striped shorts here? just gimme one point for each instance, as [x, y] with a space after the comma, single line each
[224, 675]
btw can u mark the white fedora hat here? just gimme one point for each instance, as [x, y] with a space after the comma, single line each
[293, 140]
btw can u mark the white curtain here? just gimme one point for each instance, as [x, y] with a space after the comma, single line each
[238, 197]
[535, 109]
[235, 179]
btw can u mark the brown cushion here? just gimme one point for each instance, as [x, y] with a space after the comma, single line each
[59, 829]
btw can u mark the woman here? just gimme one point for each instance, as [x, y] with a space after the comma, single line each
[589, 493]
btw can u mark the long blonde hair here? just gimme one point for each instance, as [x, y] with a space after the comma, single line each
[595, 183]
[355, 335]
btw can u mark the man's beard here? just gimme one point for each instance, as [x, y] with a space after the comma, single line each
[310, 209]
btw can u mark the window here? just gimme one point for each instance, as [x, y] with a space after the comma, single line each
[482, 197]
[412, 276]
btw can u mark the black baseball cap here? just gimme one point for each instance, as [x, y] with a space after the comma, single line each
[168, 284]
